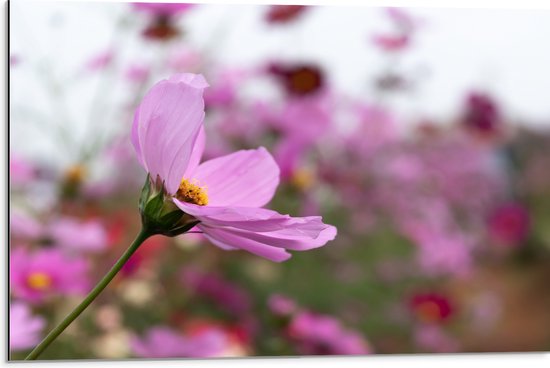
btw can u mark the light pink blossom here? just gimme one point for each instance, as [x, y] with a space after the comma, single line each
[224, 195]
[25, 328]
[320, 334]
[71, 233]
[162, 342]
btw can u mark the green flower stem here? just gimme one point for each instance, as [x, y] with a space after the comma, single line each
[141, 237]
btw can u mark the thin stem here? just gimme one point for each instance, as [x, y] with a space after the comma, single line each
[140, 238]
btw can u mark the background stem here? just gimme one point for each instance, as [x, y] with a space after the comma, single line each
[140, 238]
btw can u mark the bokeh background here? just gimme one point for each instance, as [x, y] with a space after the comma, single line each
[421, 134]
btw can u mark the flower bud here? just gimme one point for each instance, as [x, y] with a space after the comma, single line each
[159, 214]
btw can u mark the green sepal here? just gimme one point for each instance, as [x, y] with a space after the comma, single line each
[159, 214]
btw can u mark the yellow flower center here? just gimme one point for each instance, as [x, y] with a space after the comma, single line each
[39, 280]
[303, 179]
[75, 174]
[192, 193]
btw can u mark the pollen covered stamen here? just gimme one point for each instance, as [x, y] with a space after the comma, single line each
[39, 280]
[191, 192]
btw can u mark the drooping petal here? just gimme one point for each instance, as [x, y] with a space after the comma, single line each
[246, 178]
[258, 230]
[223, 238]
[166, 126]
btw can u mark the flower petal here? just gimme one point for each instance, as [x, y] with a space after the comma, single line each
[259, 230]
[223, 238]
[196, 154]
[246, 178]
[166, 125]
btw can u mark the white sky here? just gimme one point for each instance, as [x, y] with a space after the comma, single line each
[506, 52]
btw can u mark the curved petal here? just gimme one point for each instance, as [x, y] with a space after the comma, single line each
[258, 230]
[246, 178]
[166, 126]
[223, 238]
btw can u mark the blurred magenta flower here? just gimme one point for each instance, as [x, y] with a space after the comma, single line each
[36, 276]
[72, 234]
[163, 342]
[298, 79]
[431, 307]
[508, 224]
[278, 14]
[161, 26]
[223, 196]
[25, 328]
[482, 115]
[324, 335]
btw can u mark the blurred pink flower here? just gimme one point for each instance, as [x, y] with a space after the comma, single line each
[162, 342]
[100, 61]
[391, 42]
[224, 93]
[324, 335]
[25, 227]
[184, 59]
[21, 170]
[404, 24]
[281, 305]
[163, 9]
[434, 339]
[402, 19]
[137, 73]
[224, 293]
[25, 328]
[225, 194]
[41, 274]
[73, 234]
[508, 224]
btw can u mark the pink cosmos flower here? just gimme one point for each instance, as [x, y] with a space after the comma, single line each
[25, 329]
[39, 275]
[162, 342]
[70, 233]
[222, 196]
[324, 335]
